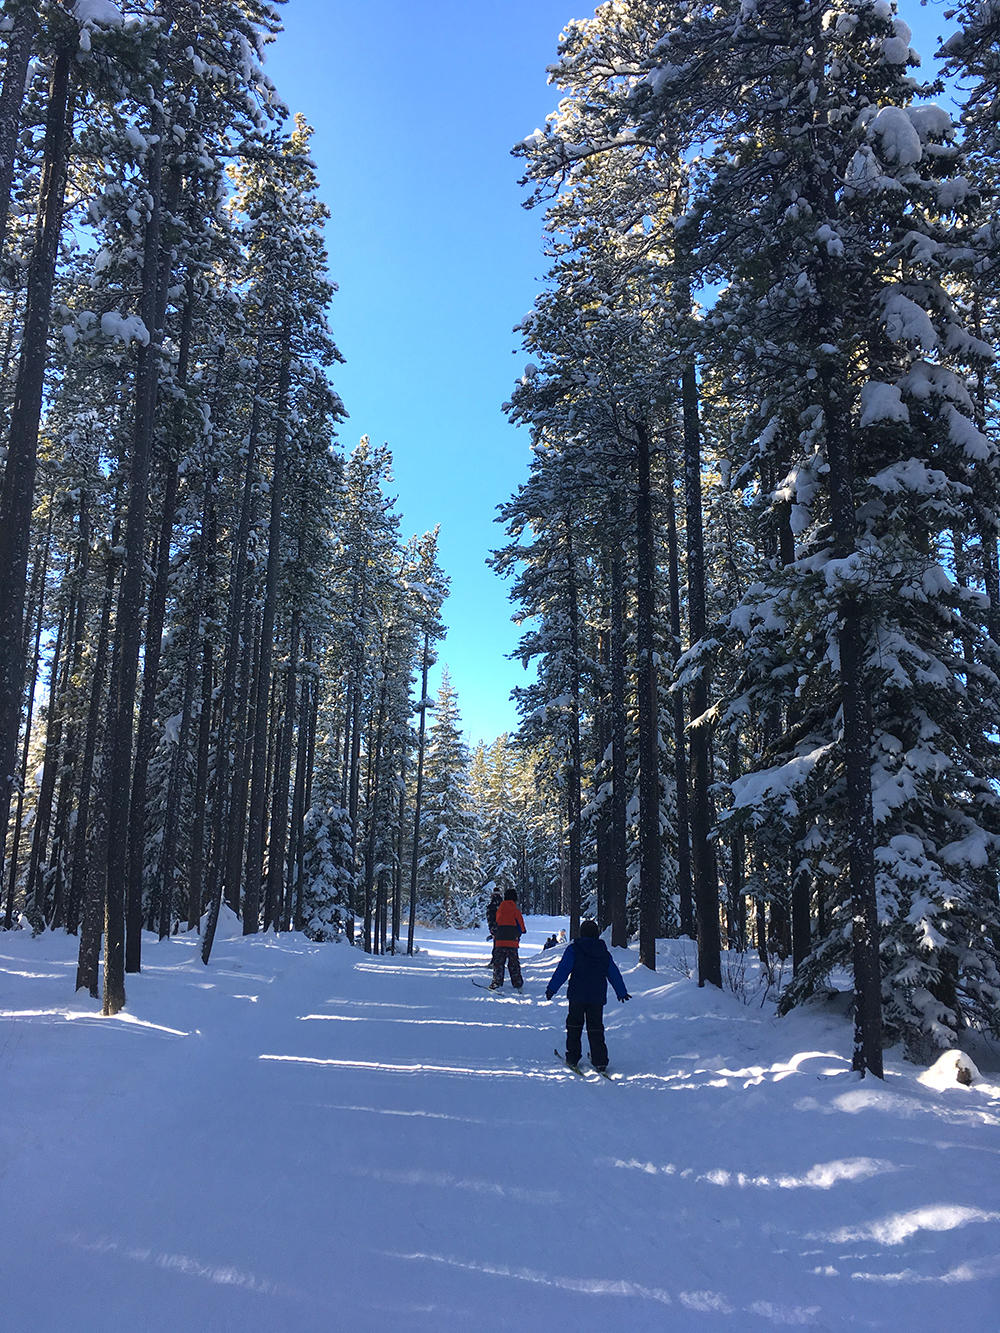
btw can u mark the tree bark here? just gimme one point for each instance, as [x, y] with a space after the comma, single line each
[18, 487]
[374, 802]
[418, 793]
[258, 760]
[573, 775]
[175, 784]
[617, 853]
[24, 19]
[80, 877]
[69, 774]
[227, 771]
[293, 873]
[706, 890]
[313, 723]
[685, 902]
[34, 892]
[151, 671]
[397, 870]
[857, 750]
[649, 768]
[737, 856]
[196, 876]
[128, 622]
[276, 889]
[36, 613]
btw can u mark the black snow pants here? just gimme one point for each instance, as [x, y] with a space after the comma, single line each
[508, 956]
[593, 1016]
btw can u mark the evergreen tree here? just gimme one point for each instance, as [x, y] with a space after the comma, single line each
[502, 832]
[327, 874]
[449, 872]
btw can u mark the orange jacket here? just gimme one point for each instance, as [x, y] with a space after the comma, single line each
[509, 927]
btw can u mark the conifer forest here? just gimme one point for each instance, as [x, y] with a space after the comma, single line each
[753, 561]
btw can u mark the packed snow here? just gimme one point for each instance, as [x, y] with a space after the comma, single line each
[303, 1137]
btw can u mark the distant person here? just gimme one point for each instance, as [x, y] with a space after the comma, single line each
[491, 917]
[507, 934]
[562, 937]
[550, 943]
[491, 912]
[589, 965]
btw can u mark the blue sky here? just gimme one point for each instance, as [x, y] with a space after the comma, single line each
[416, 107]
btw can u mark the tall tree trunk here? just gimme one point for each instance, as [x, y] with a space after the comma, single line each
[601, 743]
[179, 759]
[617, 867]
[23, 16]
[36, 613]
[35, 892]
[649, 766]
[397, 870]
[985, 524]
[313, 723]
[418, 792]
[236, 833]
[228, 773]
[991, 578]
[303, 714]
[760, 910]
[801, 942]
[175, 785]
[276, 889]
[861, 841]
[128, 624]
[706, 890]
[373, 810]
[573, 776]
[69, 774]
[737, 855]
[17, 490]
[354, 798]
[857, 750]
[345, 771]
[196, 876]
[855, 703]
[151, 668]
[684, 900]
[93, 890]
[84, 874]
[258, 760]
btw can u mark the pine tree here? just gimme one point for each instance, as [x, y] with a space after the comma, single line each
[327, 871]
[449, 872]
[502, 834]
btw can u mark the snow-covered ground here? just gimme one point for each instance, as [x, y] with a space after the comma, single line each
[300, 1137]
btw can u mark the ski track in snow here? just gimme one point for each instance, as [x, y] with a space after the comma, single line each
[302, 1137]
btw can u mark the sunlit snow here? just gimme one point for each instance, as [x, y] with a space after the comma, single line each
[303, 1137]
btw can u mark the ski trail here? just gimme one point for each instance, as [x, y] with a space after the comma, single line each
[308, 1138]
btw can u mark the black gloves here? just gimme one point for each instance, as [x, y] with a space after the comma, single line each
[623, 998]
[548, 995]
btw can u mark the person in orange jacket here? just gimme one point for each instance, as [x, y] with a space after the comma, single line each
[506, 938]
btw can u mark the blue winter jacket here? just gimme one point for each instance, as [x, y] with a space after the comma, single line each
[589, 966]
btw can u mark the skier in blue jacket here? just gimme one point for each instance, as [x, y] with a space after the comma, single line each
[589, 965]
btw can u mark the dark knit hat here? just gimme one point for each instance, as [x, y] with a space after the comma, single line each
[589, 930]
[510, 896]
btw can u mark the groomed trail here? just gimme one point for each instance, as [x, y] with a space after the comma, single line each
[300, 1137]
